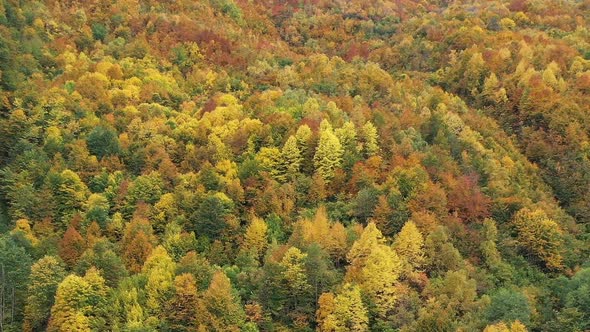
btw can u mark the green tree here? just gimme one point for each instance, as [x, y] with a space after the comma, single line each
[103, 141]
[508, 305]
[441, 254]
[97, 209]
[145, 188]
[15, 265]
[129, 303]
[103, 256]
[210, 216]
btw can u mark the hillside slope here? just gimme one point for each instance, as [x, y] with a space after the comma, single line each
[294, 165]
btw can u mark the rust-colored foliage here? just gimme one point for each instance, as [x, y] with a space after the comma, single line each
[71, 246]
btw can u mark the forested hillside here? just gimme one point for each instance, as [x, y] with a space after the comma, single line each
[295, 165]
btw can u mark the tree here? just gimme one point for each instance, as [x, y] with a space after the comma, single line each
[255, 239]
[378, 279]
[271, 160]
[222, 310]
[324, 318]
[46, 274]
[293, 264]
[370, 139]
[515, 326]
[474, 72]
[80, 304]
[320, 271]
[370, 238]
[210, 217]
[104, 258]
[129, 303]
[198, 266]
[347, 137]
[303, 135]
[540, 236]
[159, 269]
[375, 267]
[466, 199]
[67, 314]
[137, 243]
[145, 188]
[345, 312]
[328, 155]
[98, 209]
[23, 234]
[178, 242]
[71, 246]
[456, 292]
[490, 253]
[291, 157]
[103, 141]
[508, 305]
[15, 264]
[182, 309]
[492, 92]
[575, 298]
[69, 192]
[441, 254]
[409, 246]
[364, 203]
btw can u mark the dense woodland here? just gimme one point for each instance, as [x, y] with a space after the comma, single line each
[294, 165]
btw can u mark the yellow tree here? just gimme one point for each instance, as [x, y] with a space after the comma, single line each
[293, 264]
[515, 326]
[343, 313]
[375, 267]
[291, 157]
[159, 269]
[255, 239]
[540, 236]
[370, 238]
[409, 245]
[221, 309]
[328, 155]
[45, 276]
[303, 135]
[324, 313]
[378, 278]
[270, 160]
[80, 304]
[370, 139]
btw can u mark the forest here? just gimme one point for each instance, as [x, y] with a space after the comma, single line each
[295, 165]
